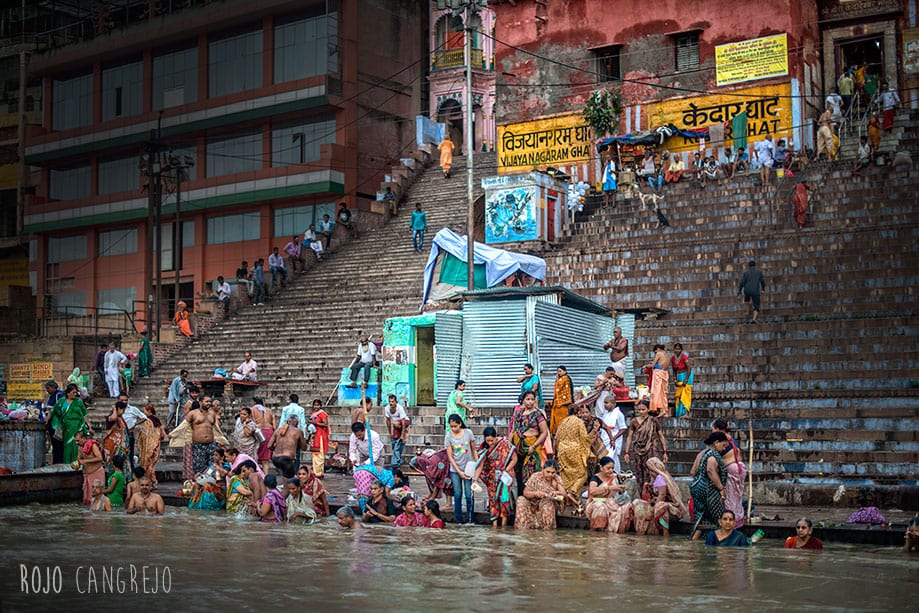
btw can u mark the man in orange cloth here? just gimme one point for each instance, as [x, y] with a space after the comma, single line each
[181, 318]
[446, 147]
[660, 379]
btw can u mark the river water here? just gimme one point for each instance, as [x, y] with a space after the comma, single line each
[213, 561]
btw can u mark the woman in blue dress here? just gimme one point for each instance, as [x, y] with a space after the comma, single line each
[726, 535]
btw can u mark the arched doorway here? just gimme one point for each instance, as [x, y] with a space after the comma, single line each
[450, 113]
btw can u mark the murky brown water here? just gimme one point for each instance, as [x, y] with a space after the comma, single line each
[215, 561]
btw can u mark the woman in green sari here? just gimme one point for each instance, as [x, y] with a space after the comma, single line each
[67, 418]
[529, 382]
[144, 356]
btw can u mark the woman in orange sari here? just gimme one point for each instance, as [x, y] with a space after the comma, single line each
[572, 446]
[564, 395]
[181, 318]
[148, 442]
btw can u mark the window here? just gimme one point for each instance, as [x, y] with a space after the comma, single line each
[188, 240]
[295, 144]
[70, 183]
[237, 154]
[119, 175]
[117, 242]
[233, 228]
[116, 300]
[175, 78]
[69, 303]
[306, 48]
[606, 64]
[296, 219]
[122, 90]
[72, 102]
[66, 248]
[687, 50]
[235, 63]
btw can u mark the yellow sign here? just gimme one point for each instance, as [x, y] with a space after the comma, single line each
[554, 141]
[14, 271]
[749, 60]
[19, 371]
[768, 111]
[16, 390]
[41, 371]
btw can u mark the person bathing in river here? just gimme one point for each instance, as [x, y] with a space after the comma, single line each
[410, 517]
[726, 535]
[146, 502]
[100, 502]
[804, 536]
[272, 507]
[346, 519]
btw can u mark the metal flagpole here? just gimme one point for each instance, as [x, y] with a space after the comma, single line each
[470, 211]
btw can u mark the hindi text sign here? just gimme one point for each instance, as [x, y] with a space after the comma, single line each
[554, 141]
[749, 60]
[768, 111]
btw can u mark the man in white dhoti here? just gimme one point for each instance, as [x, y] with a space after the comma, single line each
[113, 359]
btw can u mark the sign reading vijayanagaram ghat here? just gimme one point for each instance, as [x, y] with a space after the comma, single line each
[553, 141]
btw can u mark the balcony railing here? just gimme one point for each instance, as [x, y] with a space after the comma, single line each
[453, 58]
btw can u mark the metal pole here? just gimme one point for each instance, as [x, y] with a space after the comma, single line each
[470, 211]
[177, 232]
[157, 230]
[21, 135]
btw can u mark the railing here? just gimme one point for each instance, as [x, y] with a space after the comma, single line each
[454, 58]
[74, 321]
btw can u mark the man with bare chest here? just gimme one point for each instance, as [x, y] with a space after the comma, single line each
[285, 446]
[146, 501]
[264, 420]
[90, 458]
[619, 351]
[202, 421]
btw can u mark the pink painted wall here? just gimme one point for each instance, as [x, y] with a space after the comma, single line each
[566, 31]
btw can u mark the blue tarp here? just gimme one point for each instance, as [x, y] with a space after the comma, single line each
[499, 264]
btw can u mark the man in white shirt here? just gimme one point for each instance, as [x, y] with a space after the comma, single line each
[357, 446]
[764, 154]
[247, 371]
[397, 423]
[366, 356]
[615, 429]
[326, 228]
[133, 416]
[294, 408]
[889, 102]
[113, 359]
[223, 294]
[276, 264]
[311, 239]
[834, 103]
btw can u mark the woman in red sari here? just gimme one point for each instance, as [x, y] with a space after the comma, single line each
[799, 200]
[499, 459]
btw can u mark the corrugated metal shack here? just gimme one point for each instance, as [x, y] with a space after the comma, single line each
[487, 343]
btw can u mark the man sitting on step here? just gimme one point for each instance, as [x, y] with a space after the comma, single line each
[247, 371]
[365, 358]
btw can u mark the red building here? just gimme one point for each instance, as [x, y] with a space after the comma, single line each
[666, 58]
[285, 108]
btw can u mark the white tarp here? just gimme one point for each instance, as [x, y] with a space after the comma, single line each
[499, 264]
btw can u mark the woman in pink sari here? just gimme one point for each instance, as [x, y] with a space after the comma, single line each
[235, 459]
[654, 517]
[737, 471]
[603, 509]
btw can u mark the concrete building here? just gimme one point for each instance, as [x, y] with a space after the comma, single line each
[283, 108]
[693, 64]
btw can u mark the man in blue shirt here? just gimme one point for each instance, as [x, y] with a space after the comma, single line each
[418, 224]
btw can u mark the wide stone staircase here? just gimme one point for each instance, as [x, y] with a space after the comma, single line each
[829, 374]
[304, 335]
